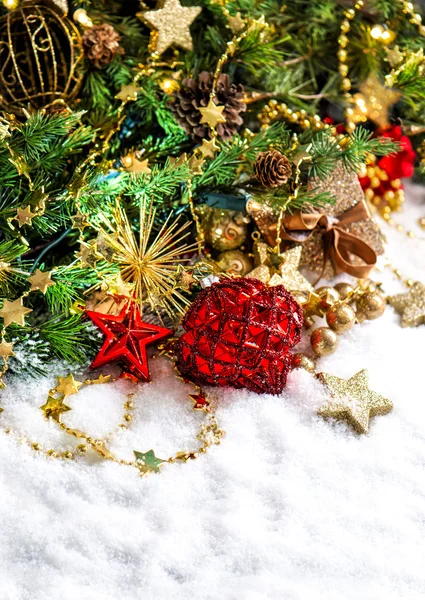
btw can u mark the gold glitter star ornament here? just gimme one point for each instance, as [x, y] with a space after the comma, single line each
[352, 400]
[14, 312]
[212, 114]
[171, 22]
[411, 305]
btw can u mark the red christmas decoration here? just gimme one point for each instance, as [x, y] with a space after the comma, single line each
[381, 179]
[238, 332]
[126, 339]
[401, 164]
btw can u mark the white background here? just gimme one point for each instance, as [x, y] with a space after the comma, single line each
[289, 507]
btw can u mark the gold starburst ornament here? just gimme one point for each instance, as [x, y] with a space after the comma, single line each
[150, 262]
[411, 305]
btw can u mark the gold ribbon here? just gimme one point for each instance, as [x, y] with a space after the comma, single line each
[338, 243]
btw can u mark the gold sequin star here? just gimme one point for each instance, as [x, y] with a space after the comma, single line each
[68, 385]
[279, 269]
[128, 92]
[24, 216]
[6, 349]
[54, 407]
[80, 221]
[411, 305]
[172, 24]
[289, 274]
[14, 312]
[212, 114]
[41, 280]
[133, 165]
[209, 148]
[352, 400]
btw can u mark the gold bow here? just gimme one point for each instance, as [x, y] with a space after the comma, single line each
[338, 243]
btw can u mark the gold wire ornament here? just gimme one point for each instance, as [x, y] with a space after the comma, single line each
[40, 52]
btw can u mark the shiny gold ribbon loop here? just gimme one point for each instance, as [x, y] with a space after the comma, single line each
[339, 244]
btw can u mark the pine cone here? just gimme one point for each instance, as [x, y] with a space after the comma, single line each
[272, 168]
[196, 94]
[101, 44]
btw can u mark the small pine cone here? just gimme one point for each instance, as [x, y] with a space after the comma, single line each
[272, 169]
[101, 44]
[195, 94]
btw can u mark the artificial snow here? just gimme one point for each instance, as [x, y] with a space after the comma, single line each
[288, 507]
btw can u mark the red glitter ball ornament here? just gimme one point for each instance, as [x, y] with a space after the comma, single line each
[238, 332]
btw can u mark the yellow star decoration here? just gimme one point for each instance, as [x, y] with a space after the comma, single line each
[24, 216]
[128, 92]
[80, 221]
[279, 269]
[172, 24]
[352, 400]
[14, 312]
[68, 385]
[209, 148]
[236, 23]
[183, 279]
[99, 380]
[41, 280]
[6, 349]
[212, 114]
[54, 407]
[195, 164]
[133, 165]
[373, 102]
[411, 305]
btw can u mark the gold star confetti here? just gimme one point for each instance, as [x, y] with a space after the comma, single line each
[212, 114]
[171, 23]
[54, 407]
[88, 254]
[80, 221]
[279, 269]
[209, 148]
[128, 92]
[411, 305]
[133, 165]
[236, 23]
[149, 462]
[19, 163]
[68, 385]
[38, 200]
[183, 279]
[352, 400]
[394, 56]
[6, 349]
[195, 164]
[24, 216]
[99, 380]
[14, 312]
[41, 280]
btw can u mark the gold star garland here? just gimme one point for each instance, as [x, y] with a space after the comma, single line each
[145, 462]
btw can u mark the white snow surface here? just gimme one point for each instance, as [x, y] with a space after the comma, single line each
[288, 507]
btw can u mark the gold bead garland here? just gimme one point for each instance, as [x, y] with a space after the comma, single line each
[209, 432]
[274, 110]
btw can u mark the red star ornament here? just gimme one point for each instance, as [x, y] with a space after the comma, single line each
[126, 339]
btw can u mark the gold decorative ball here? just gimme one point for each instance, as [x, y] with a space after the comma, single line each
[82, 449]
[41, 52]
[223, 229]
[324, 341]
[328, 293]
[340, 317]
[302, 361]
[235, 262]
[344, 289]
[370, 305]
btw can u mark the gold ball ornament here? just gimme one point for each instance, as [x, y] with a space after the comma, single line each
[302, 361]
[40, 54]
[370, 305]
[324, 341]
[340, 317]
[223, 229]
[344, 289]
[328, 294]
[235, 262]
